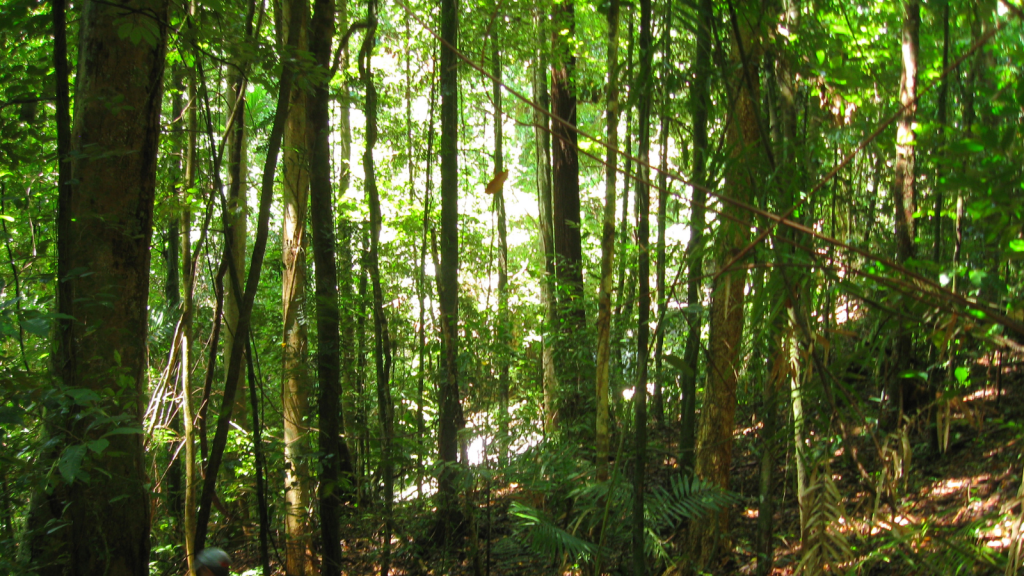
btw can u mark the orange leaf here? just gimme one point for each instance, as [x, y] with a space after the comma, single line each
[497, 183]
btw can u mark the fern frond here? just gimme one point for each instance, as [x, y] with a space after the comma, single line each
[686, 498]
[825, 547]
[548, 538]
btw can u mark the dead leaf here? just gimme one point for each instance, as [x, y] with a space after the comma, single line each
[497, 183]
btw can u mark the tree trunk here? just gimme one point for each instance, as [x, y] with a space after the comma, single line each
[382, 338]
[572, 403]
[237, 168]
[504, 345]
[107, 167]
[542, 139]
[715, 433]
[621, 320]
[423, 289]
[700, 99]
[942, 115]
[904, 193]
[251, 285]
[336, 465]
[188, 278]
[604, 299]
[657, 399]
[296, 387]
[172, 300]
[643, 202]
[450, 404]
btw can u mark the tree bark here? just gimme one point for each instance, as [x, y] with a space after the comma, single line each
[542, 140]
[604, 299]
[251, 284]
[237, 168]
[336, 465]
[573, 401]
[188, 278]
[643, 233]
[296, 389]
[449, 400]
[382, 338]
[700, 100]
[423, 289]
[717, 418]
[657, 399]
[107, 182]
[503, 329]
[172, 300]
[904, 193]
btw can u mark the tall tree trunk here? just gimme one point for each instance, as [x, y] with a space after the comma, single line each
[107, 182]
[658, 402]
[717, 418]
[238, 207]
[904, 193]
[363, 424]
[172, 298]
[565, 218]
[783, 290]
[942, 115]
[504, 345]
[348, 307]
[251, 285]
[296, 387]
[604, 299]
[336, 463]
[382, 338]
[542, 140]
[700, 100]
[643, 233]
[422, 290]
[450, 410]
[188, 278]
[620, 319]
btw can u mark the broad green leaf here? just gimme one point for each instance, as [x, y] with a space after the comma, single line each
[98, 445]
[961, 373]
[37, 326]
[71, 462]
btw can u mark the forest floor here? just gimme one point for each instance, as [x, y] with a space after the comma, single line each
[950, 514]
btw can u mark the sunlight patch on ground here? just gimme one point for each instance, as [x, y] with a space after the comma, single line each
[409, 493]
[1001, 535]
[627, 393]
[987, 393]
[847, 309]
[950, 486]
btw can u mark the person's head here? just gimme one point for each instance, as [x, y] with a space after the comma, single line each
[212, 562]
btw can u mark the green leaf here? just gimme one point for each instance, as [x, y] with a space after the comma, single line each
[10, 415]
[961, 374]
[123, 430]
[37, 326]
[677, 363]
[98, 445]
[914, 374]
[1017, 245]
[70, 464]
